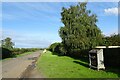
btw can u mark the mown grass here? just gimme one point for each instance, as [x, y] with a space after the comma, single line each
[54, 66]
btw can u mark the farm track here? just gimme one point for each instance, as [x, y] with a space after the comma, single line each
[16, 67]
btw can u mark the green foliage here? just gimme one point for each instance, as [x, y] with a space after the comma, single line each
[7, 43]
[6, 48]
[17, 51]
[58, 48]
[6, 53]
[62, 49]
[80, 30]
[113, 40]
[53, 47]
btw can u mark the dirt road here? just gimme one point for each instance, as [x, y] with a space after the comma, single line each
[14, 68]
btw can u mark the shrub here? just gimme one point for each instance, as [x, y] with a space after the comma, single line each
[6, 53]
[54, 47]
[58, 48]
[17, 51]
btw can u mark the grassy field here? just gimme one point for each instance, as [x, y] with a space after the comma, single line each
[54, 66]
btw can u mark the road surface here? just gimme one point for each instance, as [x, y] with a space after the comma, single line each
[16, 67]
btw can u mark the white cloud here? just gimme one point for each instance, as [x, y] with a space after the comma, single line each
[111, 11]
[29, 40]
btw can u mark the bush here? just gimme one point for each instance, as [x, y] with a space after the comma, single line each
[58, 48]
[6, 53]
[17, 51]
[53, 47]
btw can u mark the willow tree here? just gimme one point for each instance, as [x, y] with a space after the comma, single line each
[80, 30]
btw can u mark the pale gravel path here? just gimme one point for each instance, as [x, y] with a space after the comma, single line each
[13, 68]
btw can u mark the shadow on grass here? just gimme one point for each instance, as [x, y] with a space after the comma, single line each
[83, 64]
[54, 53]
[84, 61]
[115, 70]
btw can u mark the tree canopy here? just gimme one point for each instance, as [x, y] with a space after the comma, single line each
[80, 30]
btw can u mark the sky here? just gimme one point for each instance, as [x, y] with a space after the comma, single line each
[36, 24]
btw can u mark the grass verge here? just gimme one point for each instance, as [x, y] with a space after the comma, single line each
[26, 53]
[53, 66]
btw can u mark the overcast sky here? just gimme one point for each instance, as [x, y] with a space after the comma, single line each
[37, 24]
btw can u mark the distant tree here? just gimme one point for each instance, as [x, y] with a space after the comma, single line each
[7, 43]
[113, 40]
[80, 30]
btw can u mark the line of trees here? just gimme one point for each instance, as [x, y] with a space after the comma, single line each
[113, 40]
[7, 49]
[80, 32]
